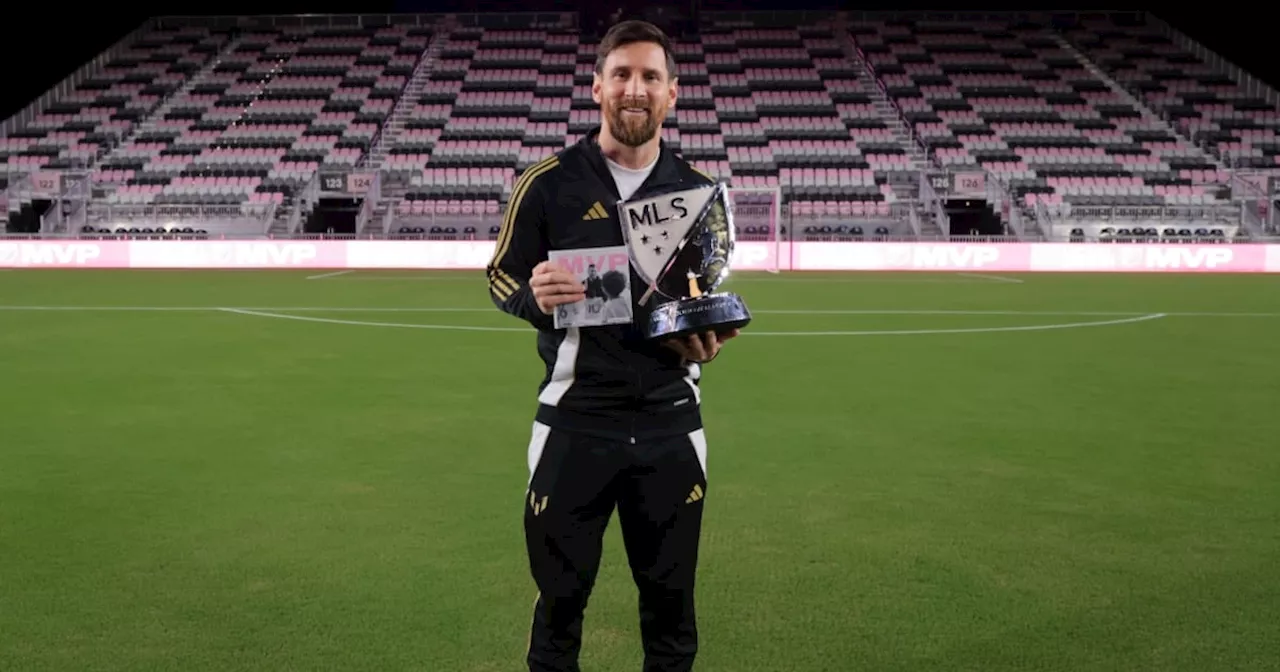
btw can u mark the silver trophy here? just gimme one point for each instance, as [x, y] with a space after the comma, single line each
[680, 243]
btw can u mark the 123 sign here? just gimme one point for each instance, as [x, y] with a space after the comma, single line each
[333, 182]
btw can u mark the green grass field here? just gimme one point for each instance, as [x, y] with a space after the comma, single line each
[998, 483]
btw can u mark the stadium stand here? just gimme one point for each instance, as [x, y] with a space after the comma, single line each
[1017, 102]
[1204, 105]
[828, 125]
[255, 126]
[776, 108]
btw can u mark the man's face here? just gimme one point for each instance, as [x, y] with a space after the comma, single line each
[634, 92]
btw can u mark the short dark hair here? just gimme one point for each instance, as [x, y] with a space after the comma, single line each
[630, 32]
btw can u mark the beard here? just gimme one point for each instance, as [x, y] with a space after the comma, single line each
[633, 130]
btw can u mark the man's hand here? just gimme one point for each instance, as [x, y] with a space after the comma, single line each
[701, 348]
[552, 287]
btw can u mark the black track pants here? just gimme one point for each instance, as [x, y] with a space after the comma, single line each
[658, 488]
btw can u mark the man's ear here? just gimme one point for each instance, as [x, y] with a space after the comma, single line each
[596, 83]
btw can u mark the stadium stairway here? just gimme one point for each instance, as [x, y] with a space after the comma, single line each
[1210, 152]
[376, 225]
[929, 226]
[152, 122]
[282, 225]
[888, 113]
[1148, 114]
[1208, 104]
[900, 133]
[906, 192]
[1215, 109]
[404, 110]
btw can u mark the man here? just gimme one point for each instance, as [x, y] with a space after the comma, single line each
[618, 421]
[594, 289]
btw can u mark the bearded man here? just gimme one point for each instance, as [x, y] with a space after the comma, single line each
[618, 421]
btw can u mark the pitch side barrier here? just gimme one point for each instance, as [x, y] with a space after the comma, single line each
[749, 256]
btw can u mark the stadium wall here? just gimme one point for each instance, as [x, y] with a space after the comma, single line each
[468, 255]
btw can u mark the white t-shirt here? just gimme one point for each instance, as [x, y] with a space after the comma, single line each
[629, 179]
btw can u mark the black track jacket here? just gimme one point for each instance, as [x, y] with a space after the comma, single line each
[607, 380]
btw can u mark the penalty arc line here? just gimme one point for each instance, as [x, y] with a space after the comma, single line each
[358, 323]
[329, 275]
[995, 278]
[972, 330]
[911, 332]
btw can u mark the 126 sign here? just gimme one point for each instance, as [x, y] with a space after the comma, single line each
[970, 183]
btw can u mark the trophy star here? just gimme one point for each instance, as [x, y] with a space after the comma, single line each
[644, 240]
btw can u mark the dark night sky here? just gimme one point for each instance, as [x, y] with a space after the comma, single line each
[33, 67]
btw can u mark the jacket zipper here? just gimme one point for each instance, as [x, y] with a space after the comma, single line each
[644, 190]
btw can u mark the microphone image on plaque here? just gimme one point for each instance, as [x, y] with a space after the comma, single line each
[680, 244]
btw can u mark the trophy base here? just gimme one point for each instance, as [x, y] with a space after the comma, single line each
[719, 312]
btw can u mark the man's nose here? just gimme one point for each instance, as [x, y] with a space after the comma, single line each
[635, 87]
